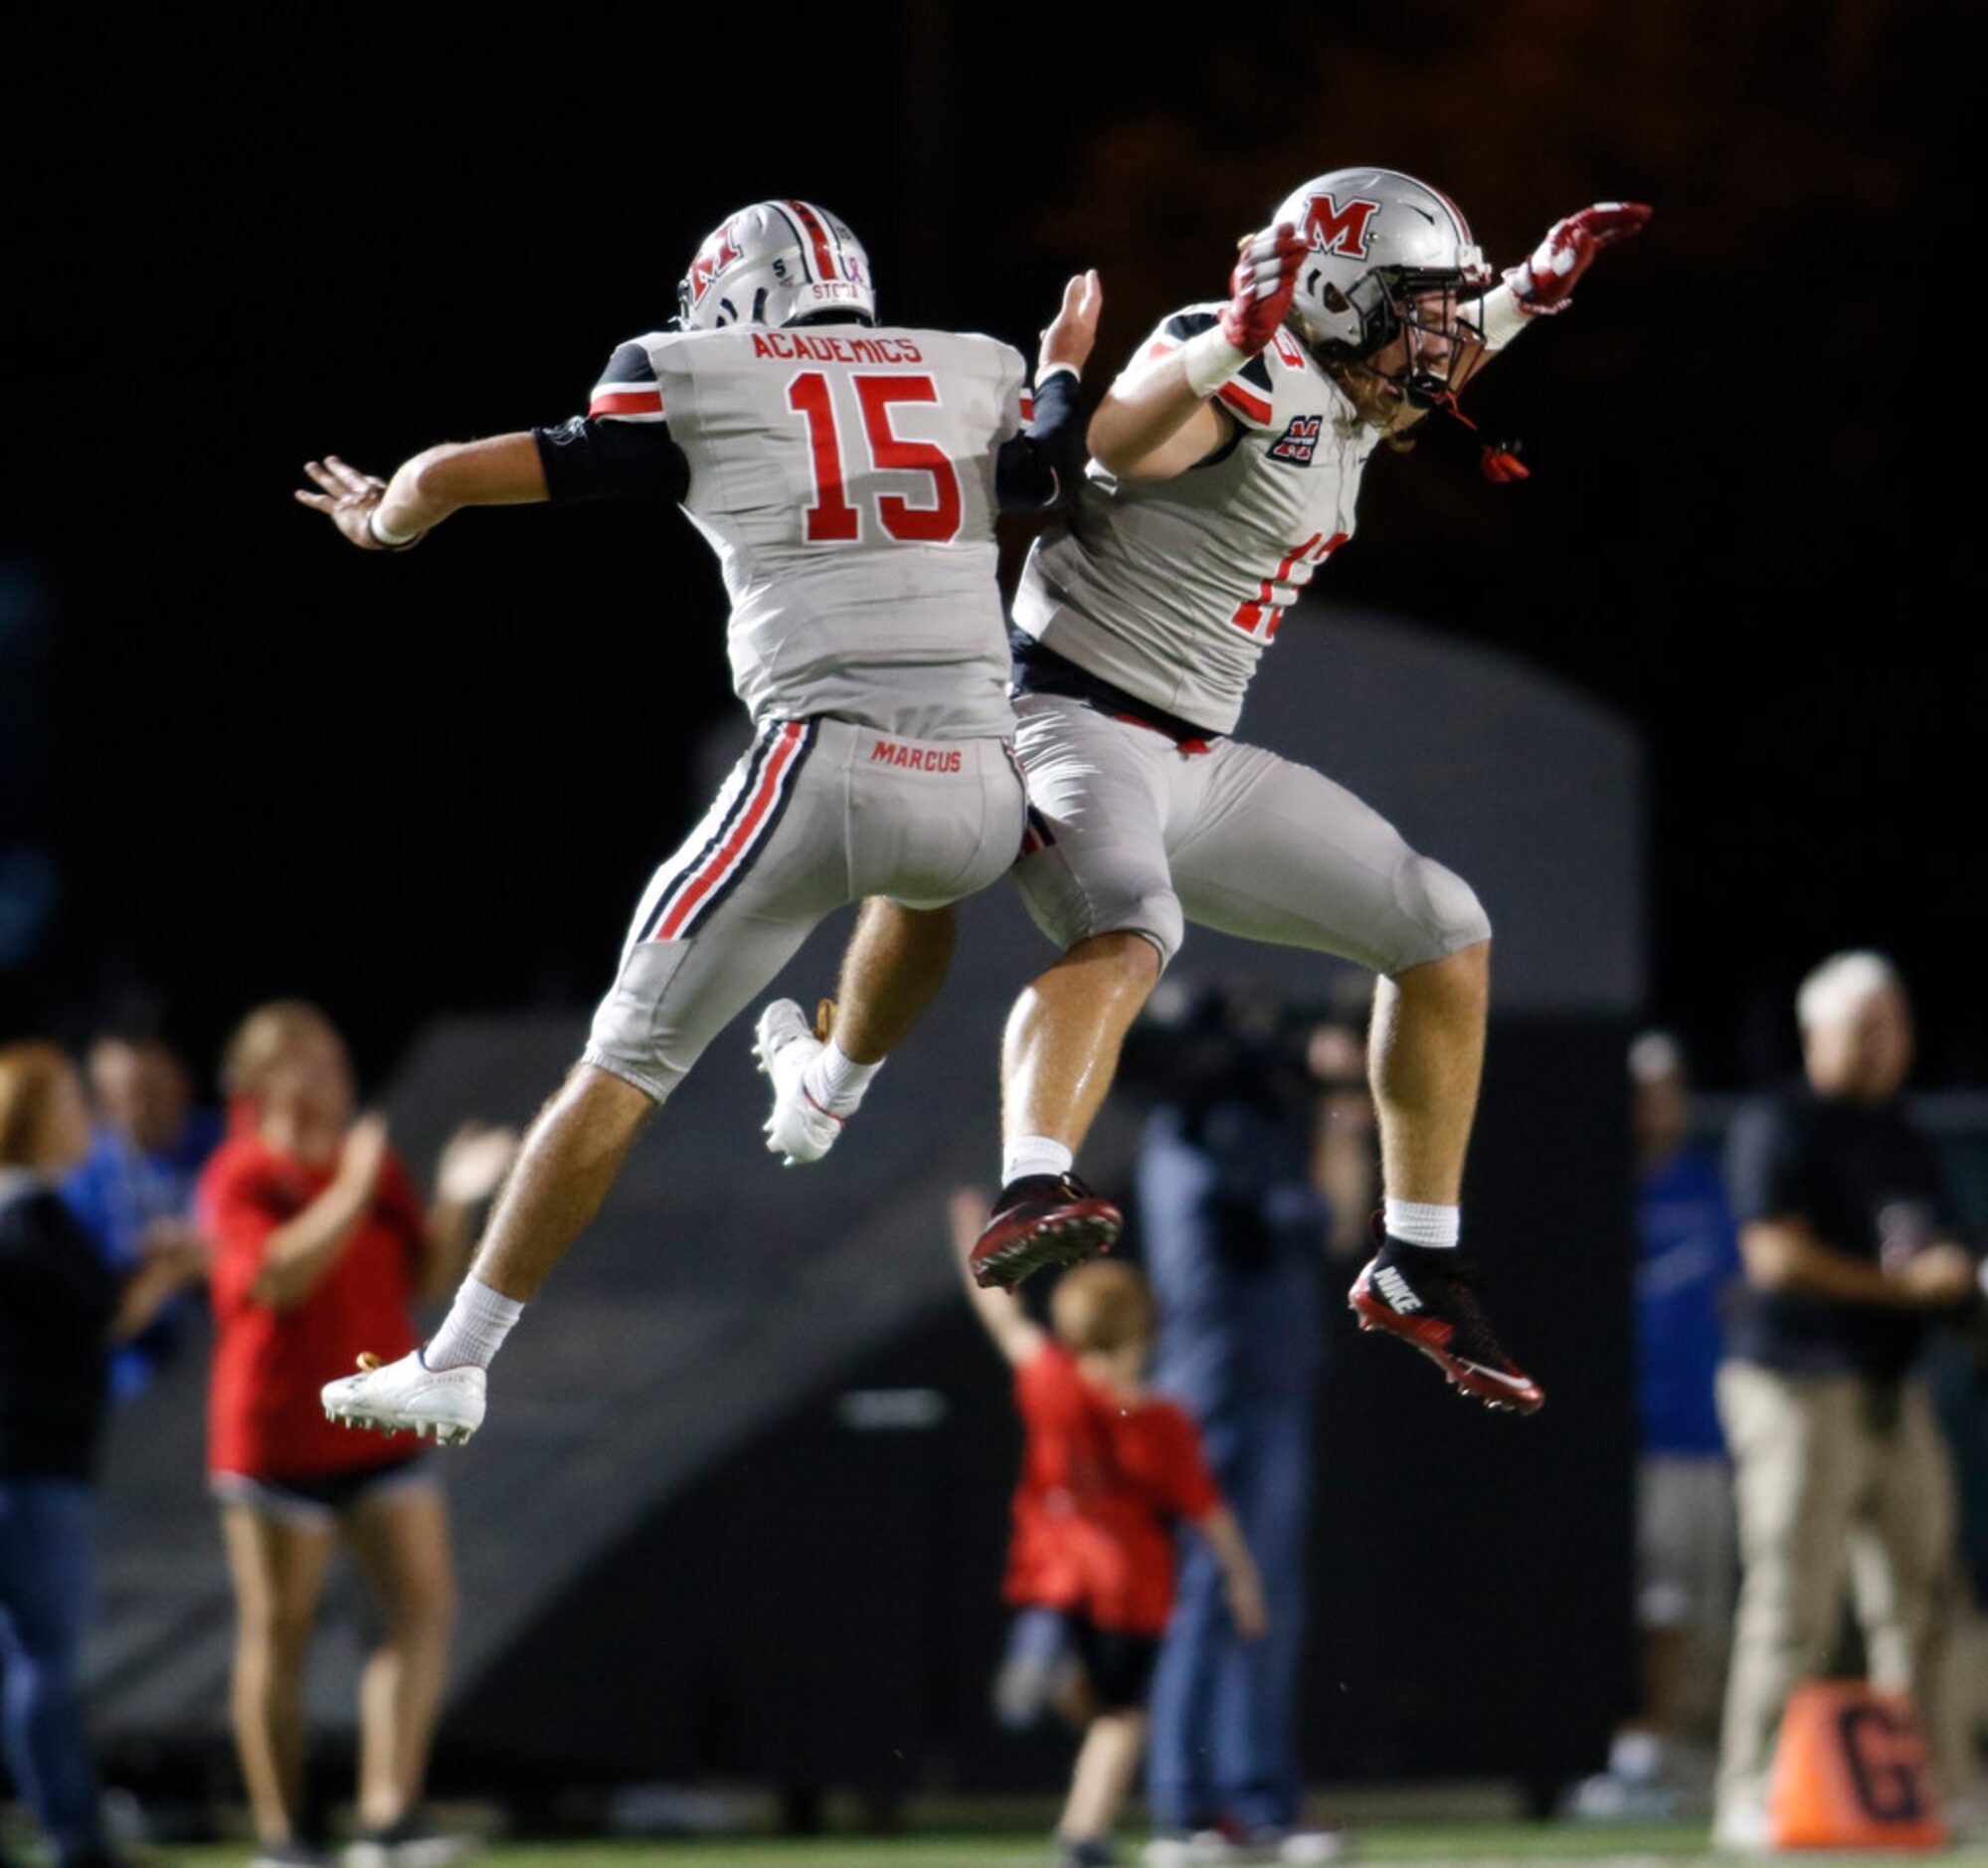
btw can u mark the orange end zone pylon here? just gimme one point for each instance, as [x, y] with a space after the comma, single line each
[1850, 1771]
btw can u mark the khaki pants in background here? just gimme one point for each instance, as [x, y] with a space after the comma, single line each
[1840, 1478]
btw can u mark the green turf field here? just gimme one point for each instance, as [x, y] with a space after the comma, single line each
[1435, 1845]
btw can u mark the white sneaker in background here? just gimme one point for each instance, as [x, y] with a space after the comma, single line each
[1742, 1828]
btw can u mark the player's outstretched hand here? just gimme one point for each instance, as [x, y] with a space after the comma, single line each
[347, 497]
[1074, 328]
[1544, 282]
[1265, 276]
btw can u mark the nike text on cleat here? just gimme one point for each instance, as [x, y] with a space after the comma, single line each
[786, 1044]
[408, 1397]
[1436, 1310]
[1043, 1220]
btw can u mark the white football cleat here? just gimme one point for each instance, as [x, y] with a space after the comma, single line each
[408, 1396]
[786, 1043]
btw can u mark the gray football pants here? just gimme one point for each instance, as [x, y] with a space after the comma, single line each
[819, 813]
[1129, 834]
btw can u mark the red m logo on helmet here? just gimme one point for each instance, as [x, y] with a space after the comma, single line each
[1336, 229]
[717, 252]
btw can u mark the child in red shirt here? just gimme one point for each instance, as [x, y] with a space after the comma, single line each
[1108, 1470]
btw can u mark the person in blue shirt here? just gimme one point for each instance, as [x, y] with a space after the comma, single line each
[134, 1191]
[1688, 1265]
[1253, 1112]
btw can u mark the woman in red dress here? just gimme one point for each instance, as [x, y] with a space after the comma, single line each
[319, 1242]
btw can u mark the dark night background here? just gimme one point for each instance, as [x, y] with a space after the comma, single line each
[261, 762]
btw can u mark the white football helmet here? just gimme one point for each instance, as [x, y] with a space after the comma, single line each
[777, 263]
[1381, 245]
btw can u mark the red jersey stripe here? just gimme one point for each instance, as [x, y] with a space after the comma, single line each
[1244, 402]
[625, 401]
[694, 887]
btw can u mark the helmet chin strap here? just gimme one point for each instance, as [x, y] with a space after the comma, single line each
[1501, 463]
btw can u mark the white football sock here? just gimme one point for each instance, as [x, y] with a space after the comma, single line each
[474, 1330]
[1415, 1224]
[1034, 1154]
[837, 1082]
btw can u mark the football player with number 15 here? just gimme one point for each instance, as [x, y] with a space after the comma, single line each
[847, 473]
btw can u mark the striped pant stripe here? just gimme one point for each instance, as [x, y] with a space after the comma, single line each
[731, 849]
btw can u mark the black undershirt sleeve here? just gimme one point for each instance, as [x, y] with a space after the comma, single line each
[590, 459]
[1042, 464]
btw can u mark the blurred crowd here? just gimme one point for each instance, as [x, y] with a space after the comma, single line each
[120, 1206]
[1809, 1324]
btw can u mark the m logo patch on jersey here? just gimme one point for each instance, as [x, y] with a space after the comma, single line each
[1298, 440]
[1336, 229]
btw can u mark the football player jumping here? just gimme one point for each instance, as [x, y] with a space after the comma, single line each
[848, 475]
[1226, 463]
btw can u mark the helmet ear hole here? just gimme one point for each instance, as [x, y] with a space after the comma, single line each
[1330, 296]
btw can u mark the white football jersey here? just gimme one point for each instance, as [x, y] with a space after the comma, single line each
[1172, 589]
[845, 478]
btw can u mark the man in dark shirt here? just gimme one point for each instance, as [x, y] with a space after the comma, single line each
[1849, 1256]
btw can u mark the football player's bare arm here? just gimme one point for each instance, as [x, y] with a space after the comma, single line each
[1016, 1334]
[1159, 417]
[1787, 1255]
[1151, 425]
[390, 515]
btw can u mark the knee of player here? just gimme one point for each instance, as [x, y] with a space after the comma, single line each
[1443, 911]
[1087, 911]
[1156, 926]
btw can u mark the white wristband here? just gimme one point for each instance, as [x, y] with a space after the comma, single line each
[1501, 316]
[389, 541]
[1211, 361]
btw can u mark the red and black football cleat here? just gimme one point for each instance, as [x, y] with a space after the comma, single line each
[1429, 1300]
[1043, 1220]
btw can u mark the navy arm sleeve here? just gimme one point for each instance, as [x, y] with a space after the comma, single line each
[1040, 467]
[592, 458]
[622, 447]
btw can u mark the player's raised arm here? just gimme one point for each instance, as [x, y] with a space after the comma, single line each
[1041, 466]
[391, 516]
[1014, 1333]
[1160, 418]
[1542, 283]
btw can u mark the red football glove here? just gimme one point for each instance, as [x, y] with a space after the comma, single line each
[1264, 278]
[1544, 284]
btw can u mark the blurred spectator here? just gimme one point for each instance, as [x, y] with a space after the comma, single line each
[135, 1188]
[320, 1242]
[1850, 1254]
[1107, 1470]
[1686, 1554]
[60, 1308]
[1253, 1109]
